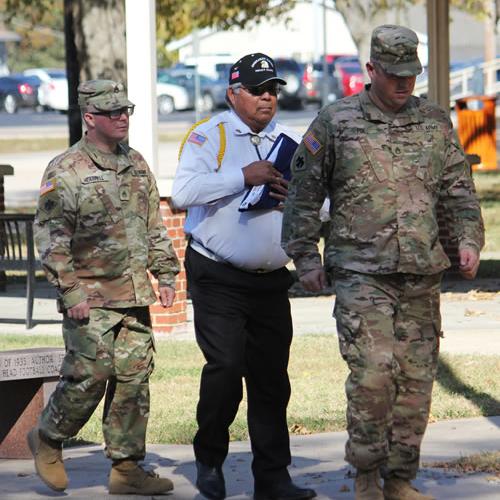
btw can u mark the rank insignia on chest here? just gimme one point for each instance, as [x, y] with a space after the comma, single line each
[47, 187]
[311, 143]
[196, 138]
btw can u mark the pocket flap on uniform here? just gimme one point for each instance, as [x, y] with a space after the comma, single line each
[348, 322]
[378, 158]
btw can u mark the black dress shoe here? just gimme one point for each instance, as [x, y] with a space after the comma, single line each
[282, 491]
[210, 481]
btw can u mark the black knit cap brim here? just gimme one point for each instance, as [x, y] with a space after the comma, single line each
[254, 70]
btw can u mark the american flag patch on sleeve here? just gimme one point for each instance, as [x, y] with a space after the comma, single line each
[47, 187]
[311, 143]
[196, 138]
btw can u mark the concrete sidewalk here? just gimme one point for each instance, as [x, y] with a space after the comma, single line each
[471, 324]
[317, 463]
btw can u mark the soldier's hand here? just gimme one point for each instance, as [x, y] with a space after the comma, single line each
[79, 312]
[279, 189]
[261, 172]
[167, 295]
[469, 263]
[314, 281]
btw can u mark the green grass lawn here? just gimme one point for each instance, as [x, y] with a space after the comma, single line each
[467, 386]
[488, 189]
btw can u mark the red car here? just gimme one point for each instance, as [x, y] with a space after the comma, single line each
[350, 75]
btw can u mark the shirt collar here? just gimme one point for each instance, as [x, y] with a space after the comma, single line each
[118, 161]
[405, 116]
[241, 128]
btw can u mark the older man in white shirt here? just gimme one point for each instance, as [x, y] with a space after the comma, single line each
[238, 281]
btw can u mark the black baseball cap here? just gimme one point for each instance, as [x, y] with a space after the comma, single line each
[253, 70]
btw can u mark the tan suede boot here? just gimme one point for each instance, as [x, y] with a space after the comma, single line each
[401, 489]
[367, 485]
[48, 460]
[128, 478]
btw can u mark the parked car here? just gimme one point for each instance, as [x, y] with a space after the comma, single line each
[350, 75]
[313, 82]
[212, 91]
[53, 90]
[292, 94]
[18, 91]
[171, 96]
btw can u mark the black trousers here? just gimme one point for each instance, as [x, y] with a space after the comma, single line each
[244, 329]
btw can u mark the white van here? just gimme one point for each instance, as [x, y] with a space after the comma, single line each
[215, 66]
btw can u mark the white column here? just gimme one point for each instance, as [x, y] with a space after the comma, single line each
[141, 76]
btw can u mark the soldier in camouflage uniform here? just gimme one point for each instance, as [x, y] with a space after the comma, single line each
[386, 159]
[98, 231]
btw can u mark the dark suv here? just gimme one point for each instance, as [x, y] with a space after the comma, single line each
[293, 93]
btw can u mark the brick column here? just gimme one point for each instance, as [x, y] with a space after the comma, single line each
[164, 320]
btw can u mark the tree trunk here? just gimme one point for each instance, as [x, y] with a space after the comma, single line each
[95, 48]
[73, 74]
[362, 16]
[100, 39]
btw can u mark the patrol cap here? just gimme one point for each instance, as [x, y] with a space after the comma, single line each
[395, 49]
[102, 95]
[253, 70]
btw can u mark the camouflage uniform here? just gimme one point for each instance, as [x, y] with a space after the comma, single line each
[98, 231]
[385, 175]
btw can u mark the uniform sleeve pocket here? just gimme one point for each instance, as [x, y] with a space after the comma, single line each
[49, 207]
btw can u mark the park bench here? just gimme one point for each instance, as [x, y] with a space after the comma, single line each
[17, 252]
[27, 379]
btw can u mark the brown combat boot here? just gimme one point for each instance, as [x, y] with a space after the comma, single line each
[48, 460]
[367, 485]
[128, 478]
[401, 489]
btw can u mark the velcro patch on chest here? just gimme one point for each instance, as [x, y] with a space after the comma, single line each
[139, 173]
[91, 179]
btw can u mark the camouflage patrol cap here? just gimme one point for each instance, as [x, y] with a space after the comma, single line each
[395, 49]
[102, 95]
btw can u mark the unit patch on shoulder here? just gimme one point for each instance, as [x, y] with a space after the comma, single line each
[47, 187]
[197, 138]
[299, 163]
[311, 143]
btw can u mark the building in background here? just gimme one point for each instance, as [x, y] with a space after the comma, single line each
[300, 35]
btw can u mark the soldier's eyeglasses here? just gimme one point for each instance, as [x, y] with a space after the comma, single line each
[271, 88]
[115, 114]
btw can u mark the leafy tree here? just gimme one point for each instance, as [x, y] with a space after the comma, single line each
[361, 16]
[177, 18]
[41, 31]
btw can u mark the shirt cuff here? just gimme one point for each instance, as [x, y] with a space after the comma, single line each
[166, 279]
[74, 297]
[308, 263]
[469, 244]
